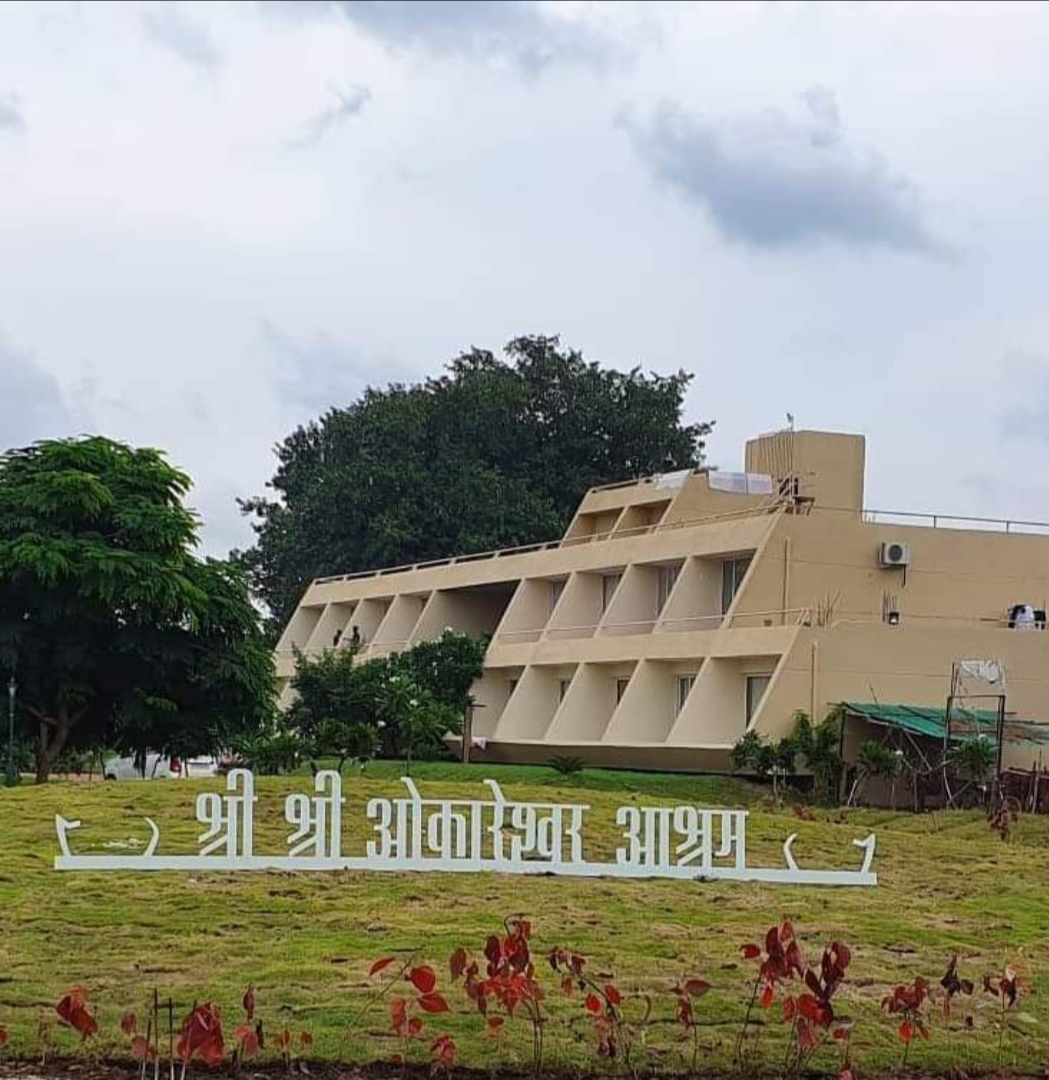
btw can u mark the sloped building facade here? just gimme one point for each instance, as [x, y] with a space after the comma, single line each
[679, 611]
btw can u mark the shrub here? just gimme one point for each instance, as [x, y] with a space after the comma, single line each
[566, 765]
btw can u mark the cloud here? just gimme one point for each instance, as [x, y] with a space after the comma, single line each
[345, 107]
[186, 38]
[11, 118]
[524, 33]
[31, 405]
[319, 374]
[1027, 374]
[771, 181]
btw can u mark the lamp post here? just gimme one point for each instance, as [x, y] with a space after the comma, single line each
[12, 772]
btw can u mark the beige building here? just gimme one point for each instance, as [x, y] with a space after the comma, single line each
[680, 610]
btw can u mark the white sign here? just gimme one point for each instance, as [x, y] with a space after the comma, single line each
[468, 836]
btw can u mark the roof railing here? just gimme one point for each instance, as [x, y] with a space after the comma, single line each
[1012, 526]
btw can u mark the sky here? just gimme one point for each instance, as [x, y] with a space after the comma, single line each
[218, 220]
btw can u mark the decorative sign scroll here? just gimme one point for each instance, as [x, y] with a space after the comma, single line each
[494, 834]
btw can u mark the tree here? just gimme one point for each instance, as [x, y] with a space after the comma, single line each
[336, 710]
[118, 634]
[399, 705]
[495, 453]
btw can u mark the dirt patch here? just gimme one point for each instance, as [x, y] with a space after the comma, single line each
[84, 1069]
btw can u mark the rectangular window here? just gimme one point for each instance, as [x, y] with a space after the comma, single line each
[556, 588]
[684, 687]
[564, 685]
[732, 573]
[667, 578]
[609, 584]
[756, 687]
[511, 686]
[621, 685]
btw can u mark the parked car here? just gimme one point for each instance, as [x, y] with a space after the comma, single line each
[159, 767]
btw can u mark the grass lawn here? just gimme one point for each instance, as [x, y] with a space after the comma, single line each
[306, 941]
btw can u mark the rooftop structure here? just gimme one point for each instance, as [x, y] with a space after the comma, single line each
[678, 611]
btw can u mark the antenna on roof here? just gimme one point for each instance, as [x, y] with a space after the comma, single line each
[790, 421]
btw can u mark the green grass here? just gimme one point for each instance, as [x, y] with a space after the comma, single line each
[306, 941]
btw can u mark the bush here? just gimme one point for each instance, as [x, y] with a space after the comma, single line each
[566, 765]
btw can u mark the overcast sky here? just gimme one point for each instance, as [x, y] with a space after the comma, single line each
[216, 220]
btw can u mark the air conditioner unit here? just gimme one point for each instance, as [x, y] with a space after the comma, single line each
[894, 553]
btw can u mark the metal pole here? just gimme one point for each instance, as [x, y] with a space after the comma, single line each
[12, 773]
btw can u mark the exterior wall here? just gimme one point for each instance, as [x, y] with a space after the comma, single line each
[572, 669]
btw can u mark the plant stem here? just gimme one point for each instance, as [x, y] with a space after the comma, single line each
[372, 1001]
[746, 1020]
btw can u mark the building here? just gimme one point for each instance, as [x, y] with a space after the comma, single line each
[680, 610]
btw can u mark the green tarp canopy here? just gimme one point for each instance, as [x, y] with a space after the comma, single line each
[965, 723]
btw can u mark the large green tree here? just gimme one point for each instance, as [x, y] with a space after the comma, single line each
[117, 632]
[496, 452]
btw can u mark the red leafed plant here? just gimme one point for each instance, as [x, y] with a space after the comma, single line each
[73, 1011]
[953, 984]
[1006, 988]
[3, 1037]
[404, 1019]
[812, 1012]
[603, 1004]
[445, 1054]
[286, 1043]
[201, 1036]
[248, 1036]
[686, 1013]
[780, 962]
[507, 982]
[906, 1002]
[141, 1046]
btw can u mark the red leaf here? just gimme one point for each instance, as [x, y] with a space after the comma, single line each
[398, 1014]
[697, 987]
[809, 1007]
[593, 1003]
[433, 1003]
[305, 1039]
[249, 1002]
[202, 1035]
[73, 1010]
[415, 1027]
[385, 962]
[907, 1031]
[457, 963]
[750, 952]
[3, 1036]
[495, 1025]
[790, 1006]
[767, 995]
[129, 1023]
[248, 1040]
[140, 1048]
[613, 996]
[423, 978]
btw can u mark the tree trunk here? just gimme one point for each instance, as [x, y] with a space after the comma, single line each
[54, 733]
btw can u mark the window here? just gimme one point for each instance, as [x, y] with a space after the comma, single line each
[621, 685]
[563, 685]
[667, 577]
[756, 687]
[556, 588]
[609, 584]
[684, 686]
[732, 573]
[511, 686]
